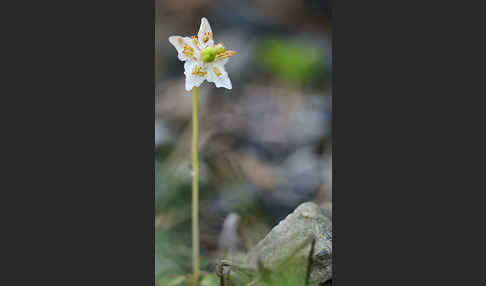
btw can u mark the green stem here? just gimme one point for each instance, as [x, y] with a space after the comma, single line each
[195, 190]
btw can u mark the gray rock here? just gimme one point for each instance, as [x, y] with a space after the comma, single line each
[289, 242]
[327, 210]
[228, 239]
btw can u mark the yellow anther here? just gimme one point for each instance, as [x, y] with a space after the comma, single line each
[216, 71]
[224, 55]
[198, 71]
[188, 51]
[206, 37]
[194, 41]
[219, 48]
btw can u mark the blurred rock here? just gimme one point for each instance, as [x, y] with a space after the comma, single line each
[324, 193]
[291, 118]
[162, 134]
[290, 241]
[302, 169]
[229, 239]
[173, 102]
[327, 210]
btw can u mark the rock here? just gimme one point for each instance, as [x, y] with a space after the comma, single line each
[228, 239]
[289, 242]
[327, 210]
[162, 134]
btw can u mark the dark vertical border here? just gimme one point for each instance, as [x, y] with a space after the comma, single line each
[92, 171]
[386, 63]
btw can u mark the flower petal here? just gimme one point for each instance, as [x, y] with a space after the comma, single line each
[218, 75]
[178, 42]
[205, 34]
[191, 79]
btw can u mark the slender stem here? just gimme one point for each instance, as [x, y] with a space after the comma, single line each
[195, 190]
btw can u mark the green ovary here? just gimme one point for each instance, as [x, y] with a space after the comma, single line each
[208, 54]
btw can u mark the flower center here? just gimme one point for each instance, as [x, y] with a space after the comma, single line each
[208, 54]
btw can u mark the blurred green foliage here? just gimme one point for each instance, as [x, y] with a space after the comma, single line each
[172, 234]
[292, 60]
[209, 279]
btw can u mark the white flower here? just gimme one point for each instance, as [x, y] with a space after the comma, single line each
[203, 59]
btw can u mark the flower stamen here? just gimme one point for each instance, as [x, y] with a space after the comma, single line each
[216, 71]
[188, 51]
[198, 71]
[225, 54]
[194, 41]
[205, 38]
[220, 48]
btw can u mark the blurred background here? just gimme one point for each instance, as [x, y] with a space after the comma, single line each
[265, 145]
